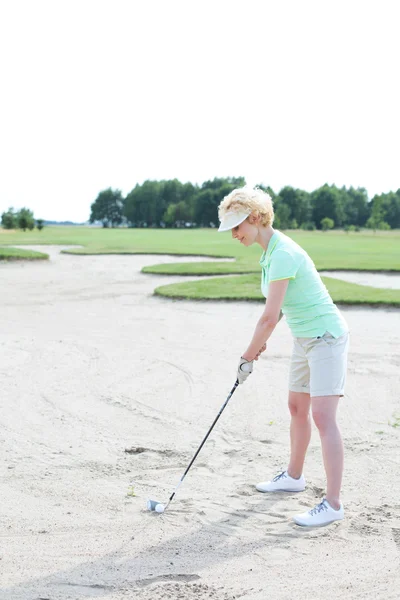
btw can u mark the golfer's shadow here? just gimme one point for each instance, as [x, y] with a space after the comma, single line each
[167, 560]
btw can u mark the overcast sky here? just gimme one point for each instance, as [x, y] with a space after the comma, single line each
[100, 93]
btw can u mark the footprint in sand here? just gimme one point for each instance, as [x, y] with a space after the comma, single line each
[396, 537]
[174, 587]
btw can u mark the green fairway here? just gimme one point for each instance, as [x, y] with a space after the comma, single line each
[334, 250]
[365, 250]
[21, 254]
[247, 287]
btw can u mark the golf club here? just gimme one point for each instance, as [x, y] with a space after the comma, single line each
[155, 506]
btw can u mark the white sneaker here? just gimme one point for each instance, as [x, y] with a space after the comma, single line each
[282, 483]
[319, 516]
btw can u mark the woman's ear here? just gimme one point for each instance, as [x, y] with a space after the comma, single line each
[254, 218]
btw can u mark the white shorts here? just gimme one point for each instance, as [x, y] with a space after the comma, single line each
[318, 366]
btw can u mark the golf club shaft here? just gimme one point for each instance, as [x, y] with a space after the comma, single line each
[204, 441]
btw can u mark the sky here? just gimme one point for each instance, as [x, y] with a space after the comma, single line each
[109, 93]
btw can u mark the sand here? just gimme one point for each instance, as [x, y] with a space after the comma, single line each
[103, 384]
[390, 281]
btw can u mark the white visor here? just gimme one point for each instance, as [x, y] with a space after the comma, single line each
[232, 219]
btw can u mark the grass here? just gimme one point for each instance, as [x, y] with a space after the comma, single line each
[335, 250]
[331, 251]
[364, 251]
[247, 287]
[202, 268]
[21, 254]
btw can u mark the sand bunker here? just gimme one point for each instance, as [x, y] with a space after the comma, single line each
[92, 365]
[390, 281]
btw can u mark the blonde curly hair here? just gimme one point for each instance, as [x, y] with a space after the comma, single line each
[252, 200]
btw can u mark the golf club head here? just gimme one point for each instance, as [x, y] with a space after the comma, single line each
[151, 505]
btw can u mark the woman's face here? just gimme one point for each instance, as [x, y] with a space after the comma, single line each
[246, 232]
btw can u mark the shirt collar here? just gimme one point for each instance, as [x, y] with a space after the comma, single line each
[264, 260]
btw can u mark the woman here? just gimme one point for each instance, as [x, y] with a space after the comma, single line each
[292, 286]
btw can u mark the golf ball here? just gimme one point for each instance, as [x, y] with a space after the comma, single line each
[159, 508]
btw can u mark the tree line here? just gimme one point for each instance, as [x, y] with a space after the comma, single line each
[171, 203]
[21, 219]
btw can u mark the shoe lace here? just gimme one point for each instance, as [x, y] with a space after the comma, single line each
[280, 476]
[319, 508]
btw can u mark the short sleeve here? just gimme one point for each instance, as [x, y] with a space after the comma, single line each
[283, 265]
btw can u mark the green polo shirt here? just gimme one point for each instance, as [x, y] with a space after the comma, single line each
[307, 306]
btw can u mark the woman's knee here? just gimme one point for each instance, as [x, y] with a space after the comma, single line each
[299, 404]
[324, 412]
[321, 420]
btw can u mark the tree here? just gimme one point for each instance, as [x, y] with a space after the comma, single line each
[386, 207]
[268, 190]
[169, 217]
[145, 205]
[282, 214]
[171, 191]
[9, 219]
[108, 208]
[206, 209]
[218, 182]
[177, 215]
[298, 202]
[356, 206]
[392, 209]
[383, 226]
[327, 223]
[25, 219]
[209, 197]
[309, 226]
[189, 195]
[375, 223]
[171, 203]
[39, 224]
[328, 201]
[377, 218]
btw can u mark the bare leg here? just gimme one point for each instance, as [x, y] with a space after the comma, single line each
[324, 414]
[300, 431]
